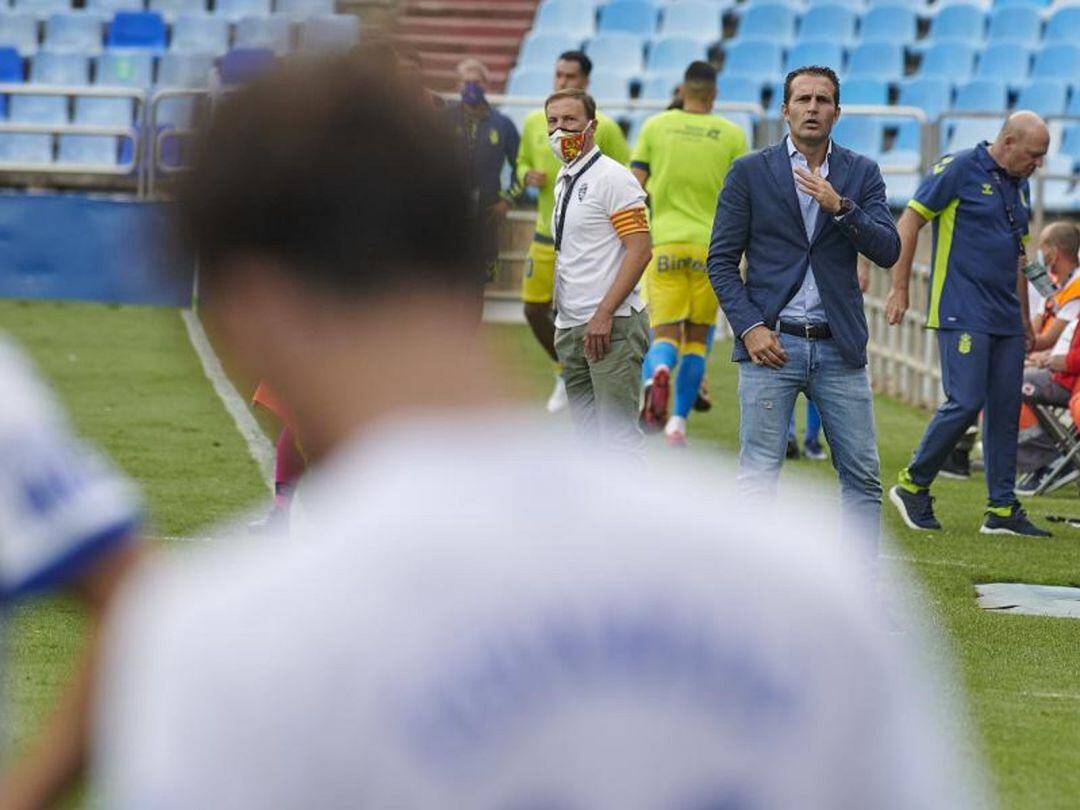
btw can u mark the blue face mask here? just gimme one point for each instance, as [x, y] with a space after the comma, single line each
[472, 93]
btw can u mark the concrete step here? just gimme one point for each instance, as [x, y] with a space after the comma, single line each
[485, 9]
[442, 79]
[462, 26]
[471, 45]
[496, 62]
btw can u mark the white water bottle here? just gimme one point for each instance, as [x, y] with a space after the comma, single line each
[1040, 279]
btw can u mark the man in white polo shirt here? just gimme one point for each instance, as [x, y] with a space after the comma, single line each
[602, 247]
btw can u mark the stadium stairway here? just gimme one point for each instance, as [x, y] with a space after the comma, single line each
[447, 31]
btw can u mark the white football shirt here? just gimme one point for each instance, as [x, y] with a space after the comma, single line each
[435, 638]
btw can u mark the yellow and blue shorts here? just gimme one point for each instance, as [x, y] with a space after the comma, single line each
[677, 286]
[538, 285]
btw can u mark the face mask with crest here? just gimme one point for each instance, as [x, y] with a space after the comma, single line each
[566, 145]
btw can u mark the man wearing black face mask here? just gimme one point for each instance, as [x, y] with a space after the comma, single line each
[490, 140]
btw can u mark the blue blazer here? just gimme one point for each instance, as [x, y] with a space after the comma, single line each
[758, 212]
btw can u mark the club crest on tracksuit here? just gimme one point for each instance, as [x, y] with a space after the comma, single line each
[964, 347]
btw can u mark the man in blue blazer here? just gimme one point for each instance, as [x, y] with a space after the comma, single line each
[802, 211]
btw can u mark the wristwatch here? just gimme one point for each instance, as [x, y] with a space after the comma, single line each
[847, 205]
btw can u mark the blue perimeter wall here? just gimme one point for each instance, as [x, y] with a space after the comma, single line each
[90, 248]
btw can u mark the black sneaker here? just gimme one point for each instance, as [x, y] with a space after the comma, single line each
[1027, 485]
[792, 453]
[916, 508]
[1015, 523]
[957, 465]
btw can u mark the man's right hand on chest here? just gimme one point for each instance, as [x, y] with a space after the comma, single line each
[764, 347]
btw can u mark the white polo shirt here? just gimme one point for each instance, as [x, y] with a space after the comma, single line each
[602, 196]
[427, 640]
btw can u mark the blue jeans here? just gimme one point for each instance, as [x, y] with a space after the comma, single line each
[843, 398]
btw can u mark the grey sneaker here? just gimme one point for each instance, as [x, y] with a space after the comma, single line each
[1016, 522]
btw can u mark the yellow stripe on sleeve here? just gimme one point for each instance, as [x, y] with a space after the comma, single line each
[921, 210]
[632, 220]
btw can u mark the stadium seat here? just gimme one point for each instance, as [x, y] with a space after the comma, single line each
[567, 17]
[918, 6]
[73, 32]
[301, 9]
[632, 16]
[1044, 96]
[529, 82]
[932, 95]
[47, 67]
[948, 60]
[107, 8]
[744, 120]
[618, 52]
[274, 33]
[41, 8]
[19, 31]
[540, 50]
[855, 5]
[673, 54]
[137, 29]
[738, 88]
[1018, 24]
[876, 60]
[235, 9]
[608, 86]
[1056, 193]
[26, 148]
[828, 24]
[1070, 142]
[1005, 62]
[243, 64]
[125, 69]
[1063, 25]
[891, 23]
[38, 109]
[755, 60]
[982, 94]
[829, 54]
[1035, 4]
[325, 33]
[900, 188]
[11, 72]
[1060, 62]
[906, 148]
[169, 9]
[693, 18]
[964, 133]
[865, 91]
[199, 33]
[861, 133]
[659, 86]
[104, 111]
[958, 23]
[95, 150]
[769, 21]
[184, 70]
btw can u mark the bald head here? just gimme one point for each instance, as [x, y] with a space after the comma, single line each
[1022, 143]
[1060, 245]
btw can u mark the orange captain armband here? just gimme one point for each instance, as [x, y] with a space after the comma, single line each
[631, 220]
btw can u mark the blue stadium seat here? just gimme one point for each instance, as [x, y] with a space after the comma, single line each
[243, 64]
[105, 9]
[759, 60]
[200, 33]
[11, 72]
[1063, 26]
[659, 86]
[104, 111]
[542, 49]
[1044, 96]
[1056, 193]
[769, 21]
[137, 29]
[618, 52]
[605, 86]
[274, 33]
[73, 32]
[42, 8]
[900, 188]
[738, 88]
[632, 16]
[184, 70]
[918, 6]
[26, 148]
[982, 94]
[125, 69]
[1005, 62]
[932, 95]
[673, 54]
[829, 24]
[1036, 4]
[891, 23]
[958, 23]
[693, 18]
[38, 109]
[906, 148]
[855, 5]
[744, 120]
[1060, 62]
[19, 31]
[567, 17]
[47, 67]
[829, 54]
[325, 33]
[529, 82]
[876, 60]
[95, 150]
[861, 133]
[948, 60]
[1070, 142]
[235, 9]
[1019, 24]
[964, 133]
[170, 8]
[865, 91]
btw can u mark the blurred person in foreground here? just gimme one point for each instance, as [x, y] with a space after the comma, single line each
[427, 640]
[681, 158]
[537, 168]
[68, 521]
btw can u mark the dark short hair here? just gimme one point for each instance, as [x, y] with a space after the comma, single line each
[580, 95]
[699, 71]
[580, 57]
[813, 70]
[338, 173]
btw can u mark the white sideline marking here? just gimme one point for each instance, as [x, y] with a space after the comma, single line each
[258, 445]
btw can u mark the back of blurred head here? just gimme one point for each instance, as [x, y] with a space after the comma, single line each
[329, 213]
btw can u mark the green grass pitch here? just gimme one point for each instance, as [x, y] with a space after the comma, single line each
[133, 383]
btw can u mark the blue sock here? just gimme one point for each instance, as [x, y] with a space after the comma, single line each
[663, 352]
[688, 380]
[813, 424]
